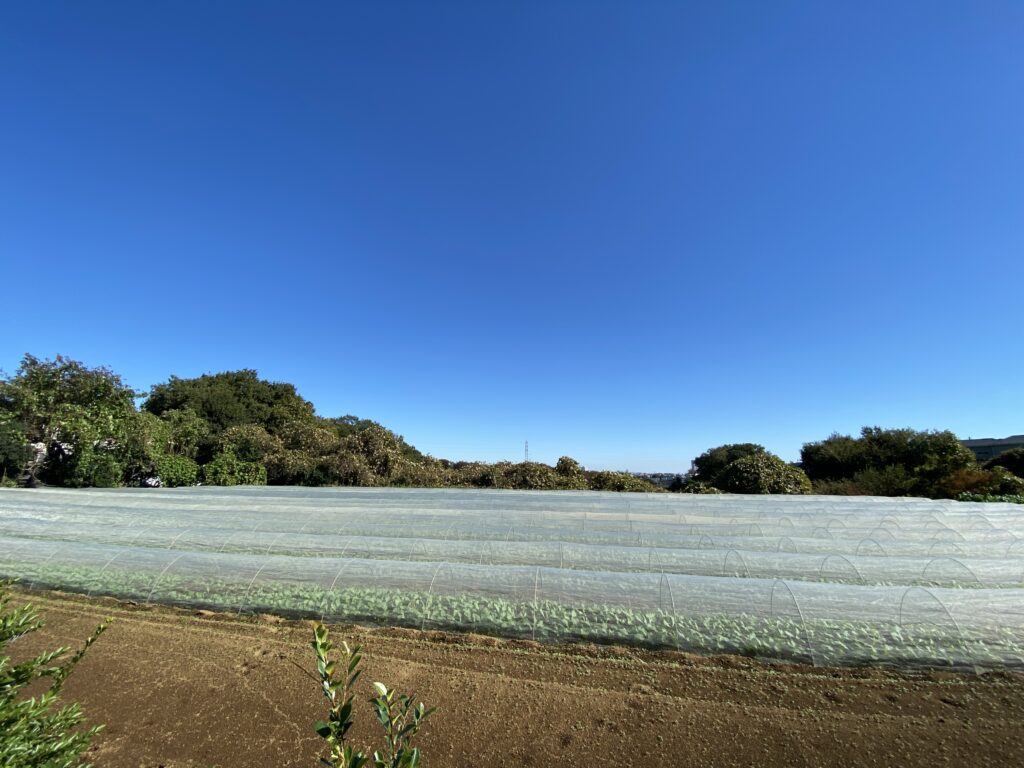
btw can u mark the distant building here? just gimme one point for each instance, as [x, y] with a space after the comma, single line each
[986, 448]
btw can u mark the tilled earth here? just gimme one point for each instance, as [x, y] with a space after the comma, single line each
[180, 688]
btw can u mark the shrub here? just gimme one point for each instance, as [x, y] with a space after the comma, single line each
[97, 469]
[620, 481]
[532, 476]
[399, 715]
[690, 485]
[478, 474]
[70, 409]
[34, 732]
[846, 487]
[14, 450]
[985, 482]
[571, 474]
[763, 473]
[836, 457]
[380, 448]
[352, 469]
[228, 469]
[175, 471]
[893, 480]
[888, 462]
[428, 473]
[710, 464]
[1010, 460]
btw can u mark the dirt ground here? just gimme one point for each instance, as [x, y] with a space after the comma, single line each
[180, 688]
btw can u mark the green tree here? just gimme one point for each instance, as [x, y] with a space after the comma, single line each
[571, 474]
[888, 462]
[144, 440]
[710, 464]
[928, 456]
[14, 450]
[96, 469]
[604, 480]
[891, 480]
[352, 469]
[227, 469]
[428, 473]
[81, 415]
[762, 473]
[175, 471]
[348, 426]
[531, 475]
[836, 457]
[1012, 461]
[380, 448]
[229, 399]
[249, 442]
[997, 481]
[188, 431]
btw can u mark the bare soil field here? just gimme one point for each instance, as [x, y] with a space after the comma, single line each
[180, 689]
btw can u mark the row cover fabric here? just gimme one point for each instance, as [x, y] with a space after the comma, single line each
[829, 580]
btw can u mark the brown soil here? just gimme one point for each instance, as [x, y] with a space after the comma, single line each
[184, 688]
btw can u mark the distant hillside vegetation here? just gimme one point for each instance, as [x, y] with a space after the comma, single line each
[63, 423]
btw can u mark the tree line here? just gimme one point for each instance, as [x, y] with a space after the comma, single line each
[63, 423]
[880, 462]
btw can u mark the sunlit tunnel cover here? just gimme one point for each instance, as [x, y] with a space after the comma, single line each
[817, 579]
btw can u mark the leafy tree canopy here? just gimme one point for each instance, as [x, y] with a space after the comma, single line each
[713, 461]
[837, 456]
[1013, 461]
[78, 414]
[231, 398]
[41, 389]
[888, 461]
[762, 473]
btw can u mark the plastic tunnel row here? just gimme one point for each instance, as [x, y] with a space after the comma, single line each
[820, 623]
[936, 583]
[562, 509]
[872, 567]
[988, 543]
[782, 526]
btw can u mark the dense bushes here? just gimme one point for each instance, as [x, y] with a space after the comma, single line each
[880, 462]
[743, 468]
[225, 429]
[896, 462]
[1012, 461]
[14, 451]
[63, 423]
[762, 473]
[227, 469]
[175, 471]
[710, 464]
[984, 482]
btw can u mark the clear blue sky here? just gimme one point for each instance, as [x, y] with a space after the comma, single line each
[624, 231]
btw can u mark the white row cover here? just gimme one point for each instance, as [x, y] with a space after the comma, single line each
[829, 580]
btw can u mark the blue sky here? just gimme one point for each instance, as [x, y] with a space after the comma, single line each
[625, 232]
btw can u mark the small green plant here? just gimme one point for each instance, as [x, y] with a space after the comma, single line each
[399, 715]
[33, 732]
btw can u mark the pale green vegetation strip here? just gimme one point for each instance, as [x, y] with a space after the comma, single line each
[931, 643]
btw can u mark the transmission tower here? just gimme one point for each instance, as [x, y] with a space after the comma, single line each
[526, 451]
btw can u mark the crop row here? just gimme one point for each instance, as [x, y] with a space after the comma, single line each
[932, 642]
